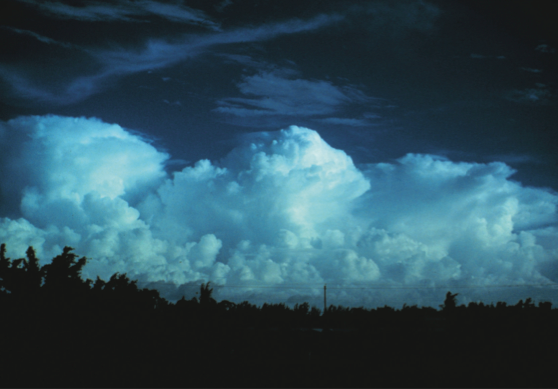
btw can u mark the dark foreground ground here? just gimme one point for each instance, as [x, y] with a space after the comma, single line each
[58, 330]
[71, 351]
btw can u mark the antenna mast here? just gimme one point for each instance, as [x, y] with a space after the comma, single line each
[325, 301]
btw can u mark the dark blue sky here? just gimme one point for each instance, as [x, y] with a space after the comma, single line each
[464, 83]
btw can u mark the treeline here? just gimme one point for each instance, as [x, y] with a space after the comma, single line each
[25, 285]
[74, 332]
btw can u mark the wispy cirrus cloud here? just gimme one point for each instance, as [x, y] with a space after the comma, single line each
[538, 95]
[158, 53]
[124, 10]
[531, 70]
[544, 48]
[516, 159]
[39, 37]
[270, 93]
[250, 62]
[276, 95]
[481, 56]
[397, 15]
[274, 90]
[77, 90]
[155, 54]
[178, 13]
[352, 122]
[222, 5]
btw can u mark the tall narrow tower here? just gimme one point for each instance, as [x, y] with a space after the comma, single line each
[325, 301]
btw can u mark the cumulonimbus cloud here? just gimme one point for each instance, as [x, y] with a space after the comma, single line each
[283, 210]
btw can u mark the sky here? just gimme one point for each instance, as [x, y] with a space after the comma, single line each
[391, 150]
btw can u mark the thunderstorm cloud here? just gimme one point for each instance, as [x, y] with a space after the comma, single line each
[283, 209]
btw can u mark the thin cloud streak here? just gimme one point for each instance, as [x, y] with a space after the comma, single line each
[124, 11]
[345, 122]
[275, 94]
[544, 48]
[77, 90]
[157, 54]
[39, 37]
[160, 53]
[539, 95]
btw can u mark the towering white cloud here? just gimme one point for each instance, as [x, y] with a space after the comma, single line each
[283, 210]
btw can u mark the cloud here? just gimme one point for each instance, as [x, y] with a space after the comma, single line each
[260, 65]
[517, 158]
[76, 90]
[345, 122]
[539, 95]
[97, 156]
[480, 56]
[274, 94]
[178, 13]
[155, 54]
[283, 210]
[39, 37]
[531, 70]
[160, 53]
[124, 10]
[544, 48]
[222, 5]
[401, 15]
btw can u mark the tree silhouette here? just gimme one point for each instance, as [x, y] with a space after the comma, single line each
[6, 271]
[205, 295]
[20, 277]
[31, 266]
[64, 270]
[74, 326]
[450, 302]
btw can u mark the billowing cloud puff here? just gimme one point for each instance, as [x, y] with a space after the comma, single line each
[53, 159]
[274, 220]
